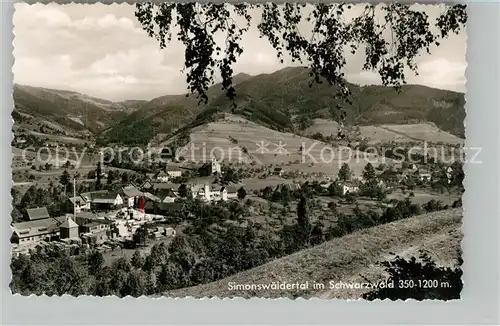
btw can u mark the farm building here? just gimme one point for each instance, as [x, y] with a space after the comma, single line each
[215, 167]
[68, 229]
[106, 201]
[38, 213]
[79, 203]
[130, 195]
[165, 186]
[148, 184]
[278, 171]
[229, 192]
[163, 176]
[37, 230]
[168, 196]
[214, 193]
[349, 188]
[150, 197]
[173, 172]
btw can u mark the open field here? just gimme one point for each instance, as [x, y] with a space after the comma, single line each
[398, 133]
[376, 134]
[422, 197]
[344, 259]
[424, 132]
[53, 156]
[324, 127]
[226, 139]
[58, 138]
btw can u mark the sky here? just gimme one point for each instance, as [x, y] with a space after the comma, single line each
[102, 51]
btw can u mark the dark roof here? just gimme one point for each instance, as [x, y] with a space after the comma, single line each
[89, 195]
[87, 215]
[167, 193]
[102, 197]
[278, 169]
[165, 185]
[231, 189]
[37, 213]
[150, 196]
[91, 224]
[149, 205]
[172, 169]
[103, 201]
[78, 200]
[165, 206]
[38, 227]
[131, 191]
[68, 224]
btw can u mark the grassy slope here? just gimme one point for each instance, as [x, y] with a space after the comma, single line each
[59, 107]
[165, 114]
[215, 136]
[344, 259]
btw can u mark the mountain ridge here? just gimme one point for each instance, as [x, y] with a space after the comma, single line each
[284, 101]
[281, 100]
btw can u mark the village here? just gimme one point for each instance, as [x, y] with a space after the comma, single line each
[109, 221]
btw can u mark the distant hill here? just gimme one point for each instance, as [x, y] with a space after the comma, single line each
[284, 101]
[67, 110]
[164, 114]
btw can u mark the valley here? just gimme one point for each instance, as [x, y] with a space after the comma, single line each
[174, 185]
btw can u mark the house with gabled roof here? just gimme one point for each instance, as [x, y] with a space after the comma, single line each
[209, 193]
[87, 196]
[173, 172]
[130, 195]
[68, 229]
[150, 197]
[229, 192]
[38, 213]
[163, 176]
[30, 232]
[168, 196]
[147, 185]
[165, 185]
[79, 203]
[278, 171]
[106, 201]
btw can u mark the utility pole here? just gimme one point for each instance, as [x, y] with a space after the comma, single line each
[74, 199]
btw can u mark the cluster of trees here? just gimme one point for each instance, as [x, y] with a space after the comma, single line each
[419, 279]
[54, 198]
[208, 250]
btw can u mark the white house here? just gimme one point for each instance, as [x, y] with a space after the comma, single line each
[170, 232]
[163, 177]
[168, 196]
[206, 193]
[278, 171]
[215, 167]
[130, 194]
[20, 140]
[425, 177]
[173, 172]
[449, 173]
[228, 192]
[349, 189]
[106, 201]
[80, 204]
